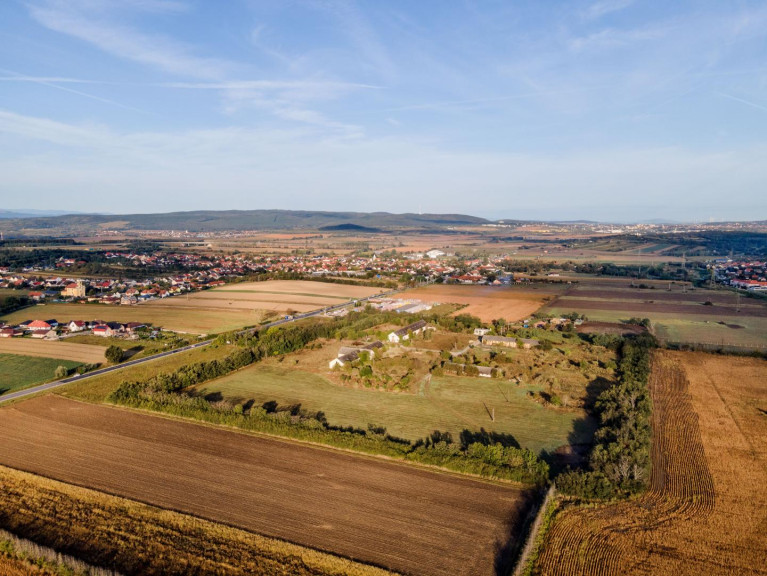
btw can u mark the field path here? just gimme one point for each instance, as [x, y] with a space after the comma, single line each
[394, 515]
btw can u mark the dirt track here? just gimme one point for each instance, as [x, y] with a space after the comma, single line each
[385, 513]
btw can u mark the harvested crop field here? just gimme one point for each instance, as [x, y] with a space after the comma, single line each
[706, 509]
[46, 349]
[511, 303]
[275, 295]
[180, 319]
[394, 515]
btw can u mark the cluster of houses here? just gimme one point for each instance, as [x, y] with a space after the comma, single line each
[52, 330]
[749, 275]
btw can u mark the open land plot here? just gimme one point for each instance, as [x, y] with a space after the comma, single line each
[706, 508]
[245, 303]
[17, 371]
[399, 516]
[511, 303]
[677, 316]
[61, 349]
[198, 320]
[449, 403]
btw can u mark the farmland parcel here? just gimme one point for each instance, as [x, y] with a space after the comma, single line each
[511, 303]
[402, 517]
[706, 509]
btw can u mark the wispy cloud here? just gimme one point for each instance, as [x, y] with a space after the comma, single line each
[746, 102]
[604, 7]
[74, 18]
[55, 82]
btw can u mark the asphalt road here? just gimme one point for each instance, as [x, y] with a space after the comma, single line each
[57, 383]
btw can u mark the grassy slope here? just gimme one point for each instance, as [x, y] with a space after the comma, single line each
[18, 372]
[97, 389]
[450, 403]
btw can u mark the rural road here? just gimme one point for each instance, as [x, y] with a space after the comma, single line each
[57, 383]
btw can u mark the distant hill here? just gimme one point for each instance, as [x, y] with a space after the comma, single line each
[30, 213]
[210, 221]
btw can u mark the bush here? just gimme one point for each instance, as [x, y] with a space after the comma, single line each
[61, 372]
[114, 354]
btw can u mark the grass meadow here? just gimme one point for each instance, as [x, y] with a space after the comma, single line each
[448, 404]
[17, 372]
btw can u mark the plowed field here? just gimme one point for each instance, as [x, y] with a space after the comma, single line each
[488, 302]
[393, 515]
[706, 509]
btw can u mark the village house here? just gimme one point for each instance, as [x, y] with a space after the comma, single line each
[76, 326]
[481, 331]
[39, 326]
[404, 333]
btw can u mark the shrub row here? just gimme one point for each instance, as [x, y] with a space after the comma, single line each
[620, 460]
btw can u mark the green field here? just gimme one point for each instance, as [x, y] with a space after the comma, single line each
[98, 388]
[734, 331]
[447, 404]
[177, 318]
[18, 372]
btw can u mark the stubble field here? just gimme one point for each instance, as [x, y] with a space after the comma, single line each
[394, 515]
[511, 303]
[706, 509]
[64, 350]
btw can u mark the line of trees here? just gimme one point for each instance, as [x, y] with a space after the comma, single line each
[620, 460]
[167, 392]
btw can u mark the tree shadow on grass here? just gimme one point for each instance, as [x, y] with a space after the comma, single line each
[487, 438]
[130, 352]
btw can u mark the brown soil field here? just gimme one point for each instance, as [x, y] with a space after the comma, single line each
[651, 306]
[487, 302]
[609, 328]
[398, 516]
[137, 539]
[706, 509]
[62, 350]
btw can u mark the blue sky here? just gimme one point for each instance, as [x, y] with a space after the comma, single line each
[604, 109]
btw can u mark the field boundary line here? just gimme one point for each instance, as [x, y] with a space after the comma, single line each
[531, 542]
[318, 445]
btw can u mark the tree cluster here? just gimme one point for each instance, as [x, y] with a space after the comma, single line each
[620, 459]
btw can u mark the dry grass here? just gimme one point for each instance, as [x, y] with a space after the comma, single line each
[141, 539]
[390, 514]
[706, 509]
[488, 302]
[45, 349]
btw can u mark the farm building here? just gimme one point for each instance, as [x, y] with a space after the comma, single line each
[351, 353]
[499, 341]
[527, 343]
[404, 333]
[481, 331]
